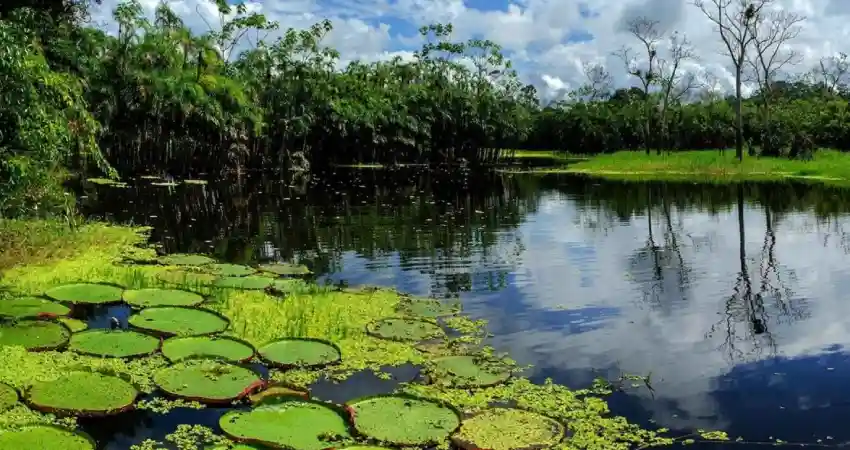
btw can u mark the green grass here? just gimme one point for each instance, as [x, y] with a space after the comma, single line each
[828, 166]
[540, 157]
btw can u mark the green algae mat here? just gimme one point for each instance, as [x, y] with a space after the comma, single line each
[185, 259]
[402, 420]
[215, 347]
[45, 437]
[285, 269]
[426, 307]
[113, 343]
[508, 429]
[86, 293]
[404, 329]
[467, 371]
[179, 321]
[83, 394]
[8, 397]
[207, 380]
[143, 298]
[300, 352]
[34, 335]
[21, 307]
[296, 424]
[229, 270]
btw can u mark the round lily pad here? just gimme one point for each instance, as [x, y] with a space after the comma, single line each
[285, 269]
[34, 334]
[300, 352]
[143, 298]
[83, 393]
[277, 393]
[86, 293]
[207, 380]
[251, 282]
[8, 397]
[404, 329]
[20, 307]
[468, 371]
[215, 347]
[45, 437]
[185, 259]
[508, 429]
[75, 325]
[186, 277]
[230, 270]
[403, 420]
[296, 424]
[113, 343]
[427, 307]
[179, 321]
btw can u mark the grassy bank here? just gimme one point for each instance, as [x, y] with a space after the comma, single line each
[828, 166]
[51, 255]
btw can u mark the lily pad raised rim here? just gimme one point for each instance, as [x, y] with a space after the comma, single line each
[82, 434]
[102, 283]
[40, 315]
[210, 336]
[102, 330]
[169, 334]
[279, 365]
[205, 298]
[338, 409]
[61, 346]
[466, 445]
[432, 375]
[26, 396]
[370, 331]
[256, 399]
[349, 407]
[258, 385]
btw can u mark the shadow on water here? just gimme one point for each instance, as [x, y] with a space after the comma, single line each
[731, 299]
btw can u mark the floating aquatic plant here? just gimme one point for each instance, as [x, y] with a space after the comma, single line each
[75, 325]
[113, 343]
[426, 307]
[508, 429]
[285, 269]
[215, 347]
[179, 321]
[229, 270]
[470, 371]
[23, 307]
[403, 420]
[86, 293]
[8, 397]
[207, 381]
[34, 334]
[404, 329]
[185, 259]
[300, 352]
[83, 393]
[143, 298]
[45, 437]
[276, 392]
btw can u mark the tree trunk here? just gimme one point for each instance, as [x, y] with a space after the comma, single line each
[739, 120]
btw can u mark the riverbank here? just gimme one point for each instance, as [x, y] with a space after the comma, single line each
[51, 256]
[828, 166]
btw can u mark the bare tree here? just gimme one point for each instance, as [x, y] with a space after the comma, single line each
[734, 19]
[675, 82]
[833, 73]
[599, 83]
[646, 31]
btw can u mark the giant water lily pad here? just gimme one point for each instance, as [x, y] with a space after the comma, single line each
[207, 380]
[251, 282]
[230, 270]
[184, 277]
[179, 321]
[143, 298]
[75, 325]
[83, 393]
[8, 397]
[427, 307]
[86, 293]
[215, 347]
[300, 352]
[404, 329]
[45, 437]
[34, 334]
[403, 420]
[277, 393]
[185, 259]
[285, 269]
[296, 424]
[113, 343]
[470, 371]
[21, 307]
[508, 429]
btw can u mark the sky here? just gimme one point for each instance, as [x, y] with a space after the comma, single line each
[548, 40]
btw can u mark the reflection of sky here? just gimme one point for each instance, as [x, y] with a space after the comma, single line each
[581, 300]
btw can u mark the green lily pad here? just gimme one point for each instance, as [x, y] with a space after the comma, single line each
[143, 298]
[277, 393]
[34, 335]
[229, 270]
[467, 371]
[186, 277]
[83, 393]
[508, 429]
[179, 321]
[45, 437]
[402, 420]
[426, 307]
[185, 259]
[113, 343]
[300, 352]
[75, 325]
[404, 329]
[285, 269]
[296, 424]
[8, 397]
[207, 380]
[215, 347]
[251, 282]
[21, 307]
[86, 293]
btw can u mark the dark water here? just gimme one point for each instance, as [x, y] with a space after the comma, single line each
[736, 299]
